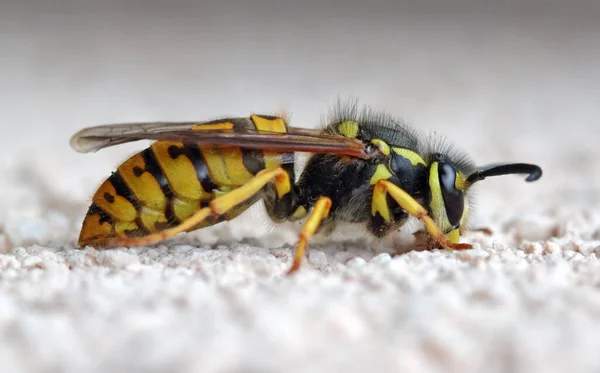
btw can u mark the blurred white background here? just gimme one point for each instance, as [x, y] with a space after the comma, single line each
[517, 81]
[523, 68]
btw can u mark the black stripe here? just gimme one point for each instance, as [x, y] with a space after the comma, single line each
[242, 124]
[123, 190]
[109, 197]
[152, 166]
[97, 210]
[253, 159]
[195, 156]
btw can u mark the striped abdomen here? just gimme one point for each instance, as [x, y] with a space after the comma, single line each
[169, 181]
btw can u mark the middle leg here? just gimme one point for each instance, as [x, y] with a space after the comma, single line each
[319, 212]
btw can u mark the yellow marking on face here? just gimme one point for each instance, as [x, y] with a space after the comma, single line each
[184, 209]
[453, 236]
[92, 229]
[180, 171]
[300, 212]
[144, 187]
[348, 128]
[151, 217]
[271, 125]
[115, 205]
[225, 165]
[460, 181]
[214, 126]
[121, 227]
[438, 208]
[383, 147]
[382, 172]
[413, 157]
[379, 204]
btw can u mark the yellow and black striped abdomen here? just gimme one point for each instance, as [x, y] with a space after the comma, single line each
[168, 182]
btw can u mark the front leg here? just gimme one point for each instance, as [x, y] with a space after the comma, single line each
[412, 207]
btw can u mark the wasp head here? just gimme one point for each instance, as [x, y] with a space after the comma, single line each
[449, 184]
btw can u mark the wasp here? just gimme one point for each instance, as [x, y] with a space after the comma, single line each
[364, 166]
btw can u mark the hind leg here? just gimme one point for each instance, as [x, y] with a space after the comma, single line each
[217, 206]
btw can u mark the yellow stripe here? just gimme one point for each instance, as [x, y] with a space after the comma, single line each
[378, 199]
[121, 227]
[384, 148]
[348, 128]
[184, 209]
[214, 126]
[120, 209]
[382, 172]
[282, 185]
[150, 218]
[180, 172]
[144, 187]
[438, 209]
[379, 204]
[300, 212]
[413, 157]
[460, 181]
[454, 236]
[225, 165]
[272, 125]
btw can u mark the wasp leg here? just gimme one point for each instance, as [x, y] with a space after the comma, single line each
[319, 212]
[217, 207]
[412, 207]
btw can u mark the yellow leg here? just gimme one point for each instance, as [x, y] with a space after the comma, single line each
[218, 206]
[412, 207]
[318, 213]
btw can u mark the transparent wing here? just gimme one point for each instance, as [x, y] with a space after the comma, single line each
[92, 139]
[294, 140]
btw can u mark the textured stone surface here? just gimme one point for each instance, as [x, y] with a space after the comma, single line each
[515, 84]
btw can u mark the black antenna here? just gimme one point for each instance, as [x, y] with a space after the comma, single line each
[534, 172]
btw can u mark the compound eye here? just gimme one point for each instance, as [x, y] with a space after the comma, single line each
[447, 178]
[453, 198]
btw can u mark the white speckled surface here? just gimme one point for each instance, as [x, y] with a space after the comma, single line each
[514, 84]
